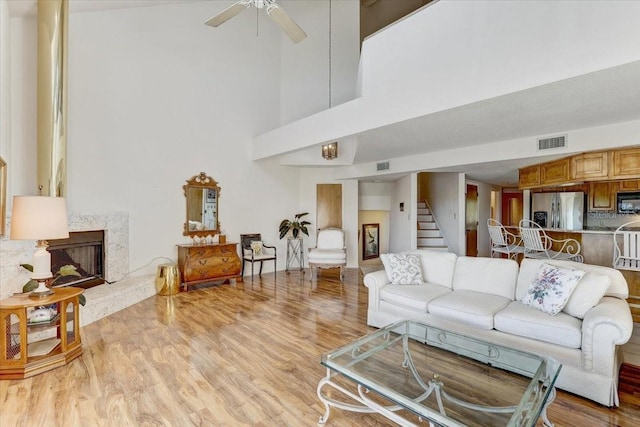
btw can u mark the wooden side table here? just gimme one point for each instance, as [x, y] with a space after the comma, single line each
[30, 349]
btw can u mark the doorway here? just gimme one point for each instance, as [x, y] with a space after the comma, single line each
[471, 220]
[328, 205]
[511, 208]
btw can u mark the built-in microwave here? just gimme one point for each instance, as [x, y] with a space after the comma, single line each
[628, 203]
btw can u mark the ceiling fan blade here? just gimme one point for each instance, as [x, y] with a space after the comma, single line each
[228, 13]
[283, 20]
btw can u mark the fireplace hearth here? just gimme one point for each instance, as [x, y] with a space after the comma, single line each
[85, 251]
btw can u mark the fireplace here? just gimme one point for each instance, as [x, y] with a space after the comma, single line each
[85, 251]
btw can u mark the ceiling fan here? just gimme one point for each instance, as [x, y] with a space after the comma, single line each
[274, 11]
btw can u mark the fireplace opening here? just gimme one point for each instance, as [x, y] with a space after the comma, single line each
[85, 251]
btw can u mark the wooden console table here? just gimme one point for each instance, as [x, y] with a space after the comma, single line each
[207, 263]
[21, 354]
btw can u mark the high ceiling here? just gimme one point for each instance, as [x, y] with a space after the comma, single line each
[596, 99]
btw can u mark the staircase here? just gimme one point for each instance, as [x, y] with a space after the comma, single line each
[429, 235]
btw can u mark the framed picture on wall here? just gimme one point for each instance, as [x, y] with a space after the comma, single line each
[370, 241]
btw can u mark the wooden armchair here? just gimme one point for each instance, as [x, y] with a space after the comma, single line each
[254, 250]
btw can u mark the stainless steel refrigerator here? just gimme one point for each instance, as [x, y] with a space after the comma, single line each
[564, 211]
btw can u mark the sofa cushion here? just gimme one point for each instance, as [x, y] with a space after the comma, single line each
[403, 269]
[437, 267]
[551, 288]
[522, 320]
[414, 297]
[494, 276]
[590, 290]
[469, 307]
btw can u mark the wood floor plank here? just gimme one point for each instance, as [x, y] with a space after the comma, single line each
[245, 354]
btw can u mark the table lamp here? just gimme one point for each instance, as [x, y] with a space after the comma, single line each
[39, 218]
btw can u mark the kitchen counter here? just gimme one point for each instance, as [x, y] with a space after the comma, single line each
[586, 230]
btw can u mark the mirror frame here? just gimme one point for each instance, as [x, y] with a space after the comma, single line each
[3, 195]
[205, 182]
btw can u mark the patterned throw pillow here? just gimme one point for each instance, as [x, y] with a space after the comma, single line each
[256, 245]
[405, 269]
[551, 288]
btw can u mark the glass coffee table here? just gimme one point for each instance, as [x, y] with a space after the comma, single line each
[411, 372]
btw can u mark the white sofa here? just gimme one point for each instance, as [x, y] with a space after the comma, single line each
[481, 297]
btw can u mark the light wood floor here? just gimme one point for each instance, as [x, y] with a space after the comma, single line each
[245, 355]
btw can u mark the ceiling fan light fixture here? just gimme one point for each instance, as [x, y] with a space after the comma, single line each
[330, 151]
[275, 12]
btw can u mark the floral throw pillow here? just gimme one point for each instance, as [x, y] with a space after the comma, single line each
[405, 269]
[256, 246]
[551, 288]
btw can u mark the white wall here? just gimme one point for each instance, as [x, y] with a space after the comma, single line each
[313, 64]
[492, 41]
[484, 213]
[466, 43]
[5, 81]
[445, 195]
[374, 217]
[155, 97]
[374, 196]
[375, 206]
[402, 233]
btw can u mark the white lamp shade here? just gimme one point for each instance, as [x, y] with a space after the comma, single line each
[39, 218]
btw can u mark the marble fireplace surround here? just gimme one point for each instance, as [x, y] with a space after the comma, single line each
[104, 299]
[116, 239]
[122, 291]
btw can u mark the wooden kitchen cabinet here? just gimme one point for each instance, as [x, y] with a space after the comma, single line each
[529, 177]
[207, 263]
[625, 164]
[602, 196]
[556, 172]
[590, 166]
[629, 185]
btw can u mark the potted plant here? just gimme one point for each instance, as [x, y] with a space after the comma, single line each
[295, 226]
[65, 270]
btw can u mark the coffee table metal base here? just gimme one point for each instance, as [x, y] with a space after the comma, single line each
[435, 385]
[367, 405]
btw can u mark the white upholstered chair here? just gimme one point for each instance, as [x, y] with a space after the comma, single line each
[538, 245]
[330, 251]
[502, 241]
[626, 247]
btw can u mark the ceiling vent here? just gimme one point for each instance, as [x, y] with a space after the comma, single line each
[384, 166]
[559, 141]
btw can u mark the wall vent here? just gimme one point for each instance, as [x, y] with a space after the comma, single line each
[559, 141]
[384, 166]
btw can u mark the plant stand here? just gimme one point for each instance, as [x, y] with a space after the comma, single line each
[295, 253]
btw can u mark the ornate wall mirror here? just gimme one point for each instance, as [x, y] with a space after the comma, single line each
[203, 202]
[3, 195]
